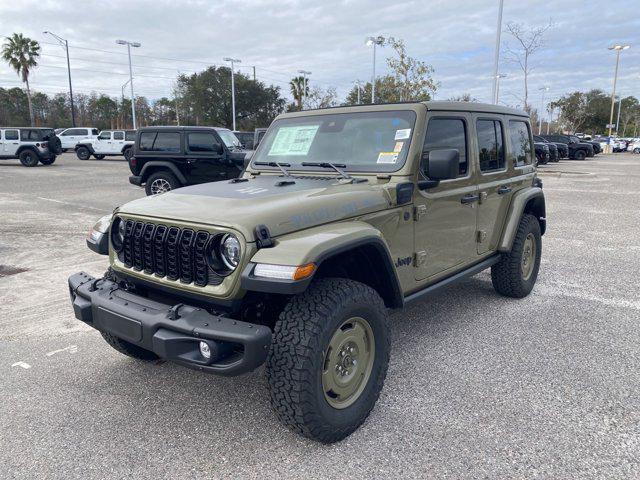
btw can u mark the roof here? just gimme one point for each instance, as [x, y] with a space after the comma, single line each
[474, 107]
[181, 127]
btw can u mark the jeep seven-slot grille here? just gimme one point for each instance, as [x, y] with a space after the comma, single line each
[171, 252]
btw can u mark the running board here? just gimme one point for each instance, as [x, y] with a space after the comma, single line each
[469, 272]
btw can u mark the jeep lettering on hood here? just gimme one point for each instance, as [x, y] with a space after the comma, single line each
[284, 204]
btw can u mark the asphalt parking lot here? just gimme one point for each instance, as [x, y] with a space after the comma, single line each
[479, 386]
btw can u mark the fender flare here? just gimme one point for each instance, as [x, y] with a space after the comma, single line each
[532, 197]
[88, 146]
[159, 164]
[22, 148]
[317, 245]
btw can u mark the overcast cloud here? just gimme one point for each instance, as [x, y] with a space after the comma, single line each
[326, 37]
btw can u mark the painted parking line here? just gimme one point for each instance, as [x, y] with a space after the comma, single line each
[70, 349]
[72, 204]
[24, 365]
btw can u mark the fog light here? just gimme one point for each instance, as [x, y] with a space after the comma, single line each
[205, 351]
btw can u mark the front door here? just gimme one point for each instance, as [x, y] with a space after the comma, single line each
[495, 180]
[446, 215]
[205, 162]
[10, 142]
[102, 145]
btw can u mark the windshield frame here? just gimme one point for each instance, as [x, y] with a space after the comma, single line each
[321, 115]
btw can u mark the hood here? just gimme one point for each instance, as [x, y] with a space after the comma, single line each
[283, 204]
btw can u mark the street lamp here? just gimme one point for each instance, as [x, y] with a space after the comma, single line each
[496, 56]
[544, 90]
[373, 41]
[125, 84]
[357, 84]
[304, 73]
[133, 101]
[65, 44]
[618, 49]
[497, 87]
[233, 89]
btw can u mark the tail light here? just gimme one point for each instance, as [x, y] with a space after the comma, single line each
[133, 161]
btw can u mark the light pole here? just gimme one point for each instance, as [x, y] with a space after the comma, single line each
[550, 119]
[618, 120]
[357, 83]
[125, 84]
[618, 49]
[233, 89]
[544, 90]
[373, 41]
[133, 100]
[304, 73]
[497, 87]
[496, 56]
[65, 44]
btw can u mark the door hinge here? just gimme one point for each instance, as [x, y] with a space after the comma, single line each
[419, 211]
[481, 236]
[419, 258]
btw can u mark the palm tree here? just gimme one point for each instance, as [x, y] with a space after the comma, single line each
[22, 53]
[297, 85]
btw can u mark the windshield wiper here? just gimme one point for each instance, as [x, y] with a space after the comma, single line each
[276, 164]
[336, 166]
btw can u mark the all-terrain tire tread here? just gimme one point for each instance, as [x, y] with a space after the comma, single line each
[128, 349]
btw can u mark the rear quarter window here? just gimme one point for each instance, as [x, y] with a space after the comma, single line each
[520, 139]
[160, 141]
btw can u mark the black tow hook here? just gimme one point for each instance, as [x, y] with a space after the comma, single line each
[173, 311]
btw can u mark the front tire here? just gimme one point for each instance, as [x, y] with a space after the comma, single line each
[29, 158]
[516, 273]
[48, 161]
[129, 349]
[83, 153]
[328, 359]
[580, 155]
[161, 182]
[128, 153]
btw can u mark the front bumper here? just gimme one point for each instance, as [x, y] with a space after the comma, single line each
[171, 332]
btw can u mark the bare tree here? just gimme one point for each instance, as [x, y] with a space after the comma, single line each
[528, 41]
[320, 98]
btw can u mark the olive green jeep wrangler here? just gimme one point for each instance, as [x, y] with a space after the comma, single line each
[341, 215]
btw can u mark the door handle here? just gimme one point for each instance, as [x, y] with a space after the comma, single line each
[469, 199]
[504, 190]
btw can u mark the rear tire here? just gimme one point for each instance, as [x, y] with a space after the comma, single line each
[129, 349]
[98, 157]
[516, 273]
[83, 153]
[161, 182]
[29, 158]
[128, 153]
[328, 359]
[48, 161]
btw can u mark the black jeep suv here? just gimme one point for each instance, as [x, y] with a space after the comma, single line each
[166, 158]
[577, 150]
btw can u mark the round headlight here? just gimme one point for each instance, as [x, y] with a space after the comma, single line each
[230, 251]
[117, 233]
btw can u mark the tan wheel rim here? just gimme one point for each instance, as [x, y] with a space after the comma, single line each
[348, 362]
[528, 256]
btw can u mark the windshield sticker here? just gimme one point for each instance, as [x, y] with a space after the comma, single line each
[293, 140]
[387, 157]
[398, 147]
[403, 134]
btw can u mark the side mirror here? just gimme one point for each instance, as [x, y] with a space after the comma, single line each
[442, 164]
[219, 149]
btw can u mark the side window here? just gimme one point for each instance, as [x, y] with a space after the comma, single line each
[167, 142]
[94, 131]
[67, 133]
[520, 143]
[447, 133]
[146, 140]
[104, 136]
[130, 135]
[202, 142]
[118, 135]
[11, 135]
[490, 145]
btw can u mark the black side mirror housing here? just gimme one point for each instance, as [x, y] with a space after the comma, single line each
[442, 164]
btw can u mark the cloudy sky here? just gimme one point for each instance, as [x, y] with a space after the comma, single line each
[327, 37]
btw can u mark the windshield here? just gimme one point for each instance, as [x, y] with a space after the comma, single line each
[229, 139]
[363, 141]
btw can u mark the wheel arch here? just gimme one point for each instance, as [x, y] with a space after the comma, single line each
[88, 146]
[527, 201]
[152, 167]
[353, 250]
[22, 148]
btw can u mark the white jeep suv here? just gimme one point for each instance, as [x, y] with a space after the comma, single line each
[108, 142]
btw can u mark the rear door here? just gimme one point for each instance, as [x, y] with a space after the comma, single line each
[495, 180]
[446, 215]
[10, 142]
[117, 143]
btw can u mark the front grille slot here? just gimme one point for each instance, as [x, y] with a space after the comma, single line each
[171, 252]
